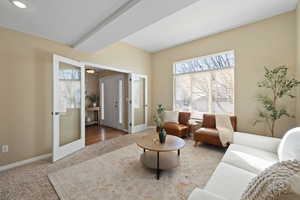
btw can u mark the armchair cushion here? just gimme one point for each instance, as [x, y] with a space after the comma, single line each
[208, 131]
[171, 116]
[178, 129]
[208, 135]
[209, 121]
[184, 118]
[175, 126]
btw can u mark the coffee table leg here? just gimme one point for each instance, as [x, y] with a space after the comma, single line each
[157, 167]
[178, 152]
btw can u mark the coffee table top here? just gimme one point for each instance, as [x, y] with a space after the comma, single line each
[151, 143]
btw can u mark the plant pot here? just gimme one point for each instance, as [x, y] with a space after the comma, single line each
[162, 135]
[94, 104]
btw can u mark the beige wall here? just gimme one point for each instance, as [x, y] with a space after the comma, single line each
[26, 87]
[26, 77]
[298, 62]
[271, 42]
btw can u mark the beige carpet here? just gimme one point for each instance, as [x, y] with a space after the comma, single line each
[30, 182]
[120, 175]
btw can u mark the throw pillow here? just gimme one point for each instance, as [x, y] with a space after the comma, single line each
[171, 116]
[278, 182]
[289, 147]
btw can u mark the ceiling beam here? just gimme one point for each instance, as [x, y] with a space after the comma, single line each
[106, 21]
[130, 18]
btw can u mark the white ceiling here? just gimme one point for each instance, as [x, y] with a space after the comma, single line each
[204, 18]
[87, 25]
[64, 21]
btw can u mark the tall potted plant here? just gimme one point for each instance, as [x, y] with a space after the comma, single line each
[159, 120]
[279, 85]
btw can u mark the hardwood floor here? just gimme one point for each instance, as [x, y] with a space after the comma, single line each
[94, 134]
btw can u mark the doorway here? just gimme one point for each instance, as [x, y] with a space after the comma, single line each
[70, 108]
[106, 104]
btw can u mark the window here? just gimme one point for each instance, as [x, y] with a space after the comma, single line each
[69, 88]
[120, 101]
[205, 85]
[102, 100]
[136, 87]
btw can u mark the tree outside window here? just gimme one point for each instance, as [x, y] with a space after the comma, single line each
[205, 85]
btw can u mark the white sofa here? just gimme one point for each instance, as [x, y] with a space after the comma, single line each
[244, 159]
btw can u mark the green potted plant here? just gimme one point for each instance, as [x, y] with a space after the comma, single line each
[279, 85]
[159, 120]
[94, 99]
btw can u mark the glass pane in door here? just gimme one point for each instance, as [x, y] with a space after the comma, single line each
[139, 103]
[69, 99]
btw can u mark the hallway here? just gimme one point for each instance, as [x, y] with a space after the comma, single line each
[94, 134]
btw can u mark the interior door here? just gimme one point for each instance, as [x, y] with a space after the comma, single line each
[68, 107]
[139, 102]
[107, 103]
[112, 101]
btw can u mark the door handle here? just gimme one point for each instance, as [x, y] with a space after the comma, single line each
[55, 113]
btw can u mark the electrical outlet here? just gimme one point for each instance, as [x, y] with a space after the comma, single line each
[4, 148]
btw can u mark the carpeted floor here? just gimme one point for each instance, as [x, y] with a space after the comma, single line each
[31, 181]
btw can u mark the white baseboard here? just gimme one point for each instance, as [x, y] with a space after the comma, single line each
[41, 157]
[24, 162]
[124, 129]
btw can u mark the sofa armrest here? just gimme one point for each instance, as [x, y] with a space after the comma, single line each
[269, 144]
[199, 194]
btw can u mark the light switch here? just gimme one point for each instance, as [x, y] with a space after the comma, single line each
[4, 148]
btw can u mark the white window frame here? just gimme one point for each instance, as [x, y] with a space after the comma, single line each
[201, 57]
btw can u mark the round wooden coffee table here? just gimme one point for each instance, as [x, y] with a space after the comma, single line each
[160, 156]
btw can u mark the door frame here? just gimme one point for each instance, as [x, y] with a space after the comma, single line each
[67, 149]
[115, 77]
[77, 145]
[104, 67]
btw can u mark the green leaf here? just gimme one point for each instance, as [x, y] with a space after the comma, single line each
[275, 80]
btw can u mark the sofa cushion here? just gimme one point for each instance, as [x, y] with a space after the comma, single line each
[264, 143]
[198, 194]
[229, 181]
[250, 159]
[171, 116]
[289, 147]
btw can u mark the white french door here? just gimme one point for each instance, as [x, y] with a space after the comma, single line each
[139, 102]
[68, 107]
